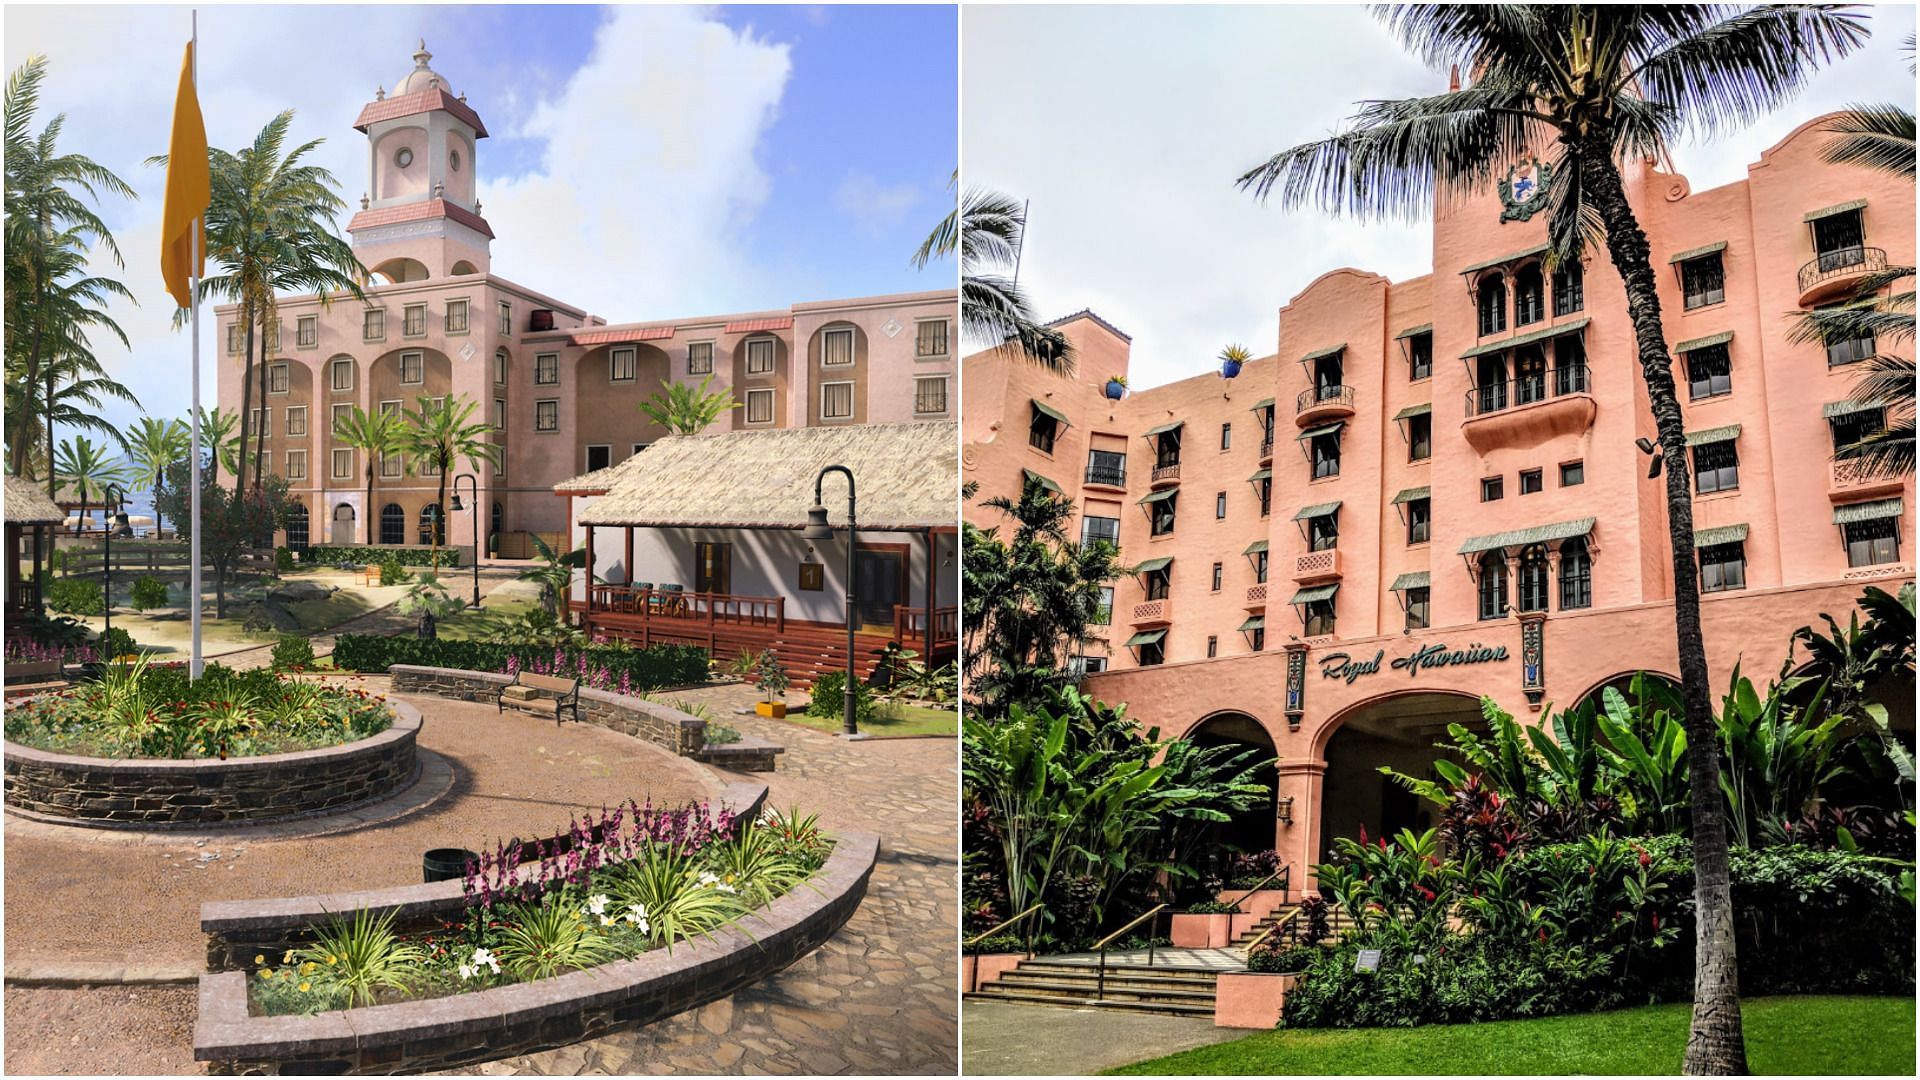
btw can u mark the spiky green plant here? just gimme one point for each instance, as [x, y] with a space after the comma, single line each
[546, 938]
[358, 958]
[688, 410]
[667, 885]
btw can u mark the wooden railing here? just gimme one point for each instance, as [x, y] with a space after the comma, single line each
[679, 608]
[911, 623]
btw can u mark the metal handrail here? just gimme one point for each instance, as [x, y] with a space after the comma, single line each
[978, 938]
[1100, 985]
[1544, 383]
[1292, 916]
[1285, 873]
[1849, 261]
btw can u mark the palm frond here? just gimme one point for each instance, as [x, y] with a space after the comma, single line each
[1877, 137]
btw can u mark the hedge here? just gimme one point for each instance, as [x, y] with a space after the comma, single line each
[651, 668]
[362, 555]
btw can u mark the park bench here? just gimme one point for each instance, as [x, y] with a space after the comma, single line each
[24, 677]
[526, 690]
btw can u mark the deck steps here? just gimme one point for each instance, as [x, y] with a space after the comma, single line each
[1139, 988]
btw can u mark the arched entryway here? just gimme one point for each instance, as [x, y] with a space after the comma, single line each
[342, 531]
[1399, 732]
[1251, 830]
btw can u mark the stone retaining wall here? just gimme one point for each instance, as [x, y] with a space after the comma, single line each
[462, 1030]
[153, 793]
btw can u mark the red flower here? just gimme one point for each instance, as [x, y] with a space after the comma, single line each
[1543, 935]
[1427, 893]
[1645, 858]
[1656, 920]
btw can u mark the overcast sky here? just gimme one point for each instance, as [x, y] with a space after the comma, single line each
[643, 162]
[1126, 126]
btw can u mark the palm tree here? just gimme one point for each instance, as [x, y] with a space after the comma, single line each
[989, 232]
[1591, 85]
[218, 439]
[77, 392]
[270, 226]
[154, 445]
[440, 432]
[375, 434]
[86, 469]
[688, 410]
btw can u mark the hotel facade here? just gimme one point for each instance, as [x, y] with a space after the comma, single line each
[1430, 491]
[560, 387]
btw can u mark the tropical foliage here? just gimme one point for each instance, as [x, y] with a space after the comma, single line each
[85, 471]
[989, 233]
[153, 446]
[377, 435]
[688, 410]
[440, 432]
[231, 524]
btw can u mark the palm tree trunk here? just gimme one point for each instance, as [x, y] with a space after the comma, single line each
[368, 511]
[246, 402]
[260, 437]
[1715, 1044]
[440, 516]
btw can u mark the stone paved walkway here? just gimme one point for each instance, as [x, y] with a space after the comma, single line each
[1028, 1040]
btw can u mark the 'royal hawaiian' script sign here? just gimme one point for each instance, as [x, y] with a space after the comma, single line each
[1345, 667]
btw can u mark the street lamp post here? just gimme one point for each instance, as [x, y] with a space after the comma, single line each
[818, 529]
[112, 495]
[478, 546]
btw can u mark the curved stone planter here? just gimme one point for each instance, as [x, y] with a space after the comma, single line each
[153, 793]
[465, 1029]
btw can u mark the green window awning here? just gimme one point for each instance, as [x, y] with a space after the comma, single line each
[1145, 637]
[1160, 496]
[1725, 534]
[1847, 408]
[1164, 428]
[1254, 622]
[1263, 474]
[1044, 482]
[1317, 510]
[1047, 410]
[1263, 403]
[1840, 208]
[1525, 339]
[1694, 253]
[1713, 435]
[1255, 548]
[1322, 354]
[1151, 565]
[1323, 429]
[1538, 249]
[1412, 495]
[1869, 511]
[1419, 579]
[1315, 592]
[1539, 534]
[1702, 342]
[1414, 331]
[1412, 411]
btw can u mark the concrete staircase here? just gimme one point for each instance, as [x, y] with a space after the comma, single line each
[1338, 922]
[1133, 988]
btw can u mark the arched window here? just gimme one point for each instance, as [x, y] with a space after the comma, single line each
[1529, 296]
[297, 528]
[1569, 289]
[1493, 584]
[1533, 578]
[1576, 575]
[393, 524]
[1493, 304]
[429, 517]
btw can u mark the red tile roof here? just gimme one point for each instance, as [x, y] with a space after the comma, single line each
[616, 337]
[432, 208]
[755, 326]
[413, 104]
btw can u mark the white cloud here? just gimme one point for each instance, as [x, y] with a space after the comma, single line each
[872, 205]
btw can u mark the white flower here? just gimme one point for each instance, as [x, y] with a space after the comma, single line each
[709, 878]
[597, 904]
[485, 958]
[467, 971]
[725, 888]
[606, 920]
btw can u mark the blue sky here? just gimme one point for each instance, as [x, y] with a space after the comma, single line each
[643, 162]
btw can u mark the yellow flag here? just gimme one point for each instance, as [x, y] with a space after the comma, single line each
[189, 190]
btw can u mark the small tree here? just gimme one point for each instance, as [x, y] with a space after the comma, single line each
[554, 574]
[230, 524]
[688, 410]
[428, 596]
[770, 678]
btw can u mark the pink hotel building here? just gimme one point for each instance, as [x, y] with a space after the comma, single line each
[1431, 491]
[561, 387]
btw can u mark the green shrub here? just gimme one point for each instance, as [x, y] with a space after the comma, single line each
[115, 643]
[830, 698]
[343, 555]
[147, 592]
[292, 653]
[721, 735]
[609, 667]
[392, 573]
[998, 943]
[1290, 959]
[1213, 907]
[283, 558]
[76, 596]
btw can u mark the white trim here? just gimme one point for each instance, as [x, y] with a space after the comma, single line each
[301, 456]
[708, 370]
[333, 418]
[555, 402]
[853, 405]
[369, 313]
[853, 341]
[639, 446]
[771, 402]
[421, 359]
[632, 354]
[399, 406]
[399, 466]
[466, 312]
[301, 412]
[929, 320]
[298, 320]
[409, 309]
[773, 353]
[333, 382]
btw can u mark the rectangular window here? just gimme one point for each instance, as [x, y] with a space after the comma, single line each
[1099, 529]
[1154, 653]
[373, 325]
[341, 414]
[1325, 452]
[546, 415]
[930, 338]
[1573, 474]
[1704, 281]
[391, 407]
[836, 401]
[1420, 357]
[1219, 572]
[1839, 240]
[639, 446]
[1716, 467]
[700, 358]
[279, 378]
[1532, 481]
[623, 365]
[1226, 436]
[413, 320]
[392, 466]
[1492, 488]
[1419, 521]
[1317, 618]
[1158, 583]
[1569, 290]
[343, 464]
[599, 457]
[1419, 608]
[836, 348]
[306, 331]
[506, 320]
[1266, 496]
[296, 420]
[500, 368]
[1723, 567]
[500, 414]
[1709, 372]
[1870, 543]
[456, 316]
[930, 396]
[760, 406]
[262, 421]
[1220, 506]
[546, 369]
[1163, 514]
[1103, 614]
[1323, 532]
[428, 467]
[1259, 568]
[1213, 646]
[760, 357]
[1090, 664]
[1420, 437]
[342, 374]
[296, 464]
[1848, 429]
[1042, 429]
[233, 337]
[1106, 467]
[413, 368]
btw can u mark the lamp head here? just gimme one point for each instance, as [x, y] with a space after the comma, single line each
[456, 503]
[817, 527]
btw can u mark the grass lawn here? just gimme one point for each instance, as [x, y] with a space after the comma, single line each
[496, 611]
[904, 720]
[1785, 1036]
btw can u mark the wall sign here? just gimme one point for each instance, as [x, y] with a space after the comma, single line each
[1346, 667]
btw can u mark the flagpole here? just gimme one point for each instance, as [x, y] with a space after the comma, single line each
[193, 295]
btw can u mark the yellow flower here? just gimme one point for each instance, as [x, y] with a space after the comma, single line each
[259, 958]
[287, 959]
[305, 986]
[307, 968]
[266, 973]
[332, 959]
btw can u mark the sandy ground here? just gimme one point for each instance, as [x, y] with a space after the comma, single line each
[59, 1032]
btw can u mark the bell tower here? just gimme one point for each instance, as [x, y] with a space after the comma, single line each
[420, 217]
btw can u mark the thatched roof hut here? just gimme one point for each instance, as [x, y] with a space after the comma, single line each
[27, 504]
[908, 477]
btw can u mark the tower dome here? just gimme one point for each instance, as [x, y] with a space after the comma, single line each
[421, 77]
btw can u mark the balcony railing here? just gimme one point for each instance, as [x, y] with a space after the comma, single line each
[1527, 389]
[1107, 475]
[910, 624]
[1168, 473]
[1257, 595]
[1841, 263]
[1314, 397]
[1153, 611]
[678, 606]
[1317, 565]
[1266, 447]
[1849, 477]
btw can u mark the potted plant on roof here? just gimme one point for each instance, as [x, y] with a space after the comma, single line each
[772, 682]
[1116, 387]
[1231, 359]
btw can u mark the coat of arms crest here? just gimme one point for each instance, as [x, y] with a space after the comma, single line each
[1522, 193]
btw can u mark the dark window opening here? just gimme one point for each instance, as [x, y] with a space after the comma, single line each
[1493, 585]
[1323, 532]
[1420, 356]
[1419, 608]
[1573, 474]
[1163, 515]
[1153, 653]
[1703, 281]
[1533, 579]
[1420, 437]
[1226, 436]
[1709, 372]
[1106, 467]
[1419, 521]
[1326, 455]
[1492, 488]
[1095, 530]
[1158, 582]
[1530, 375]
[1849, 428]
[1532, 481]
[1266, 496]
[1569, 290]
[1723, 567]
[1870, 543]
[1317, 617]
[1167, 449]
[1529, 296]
[1576, 575]
[1213, 646]
[393, 524]
[1042, 430]
[1490, 384]
[1220, 506]
[1839, 240]
[1493, 304]
[1219, 572]
[1716, 467]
